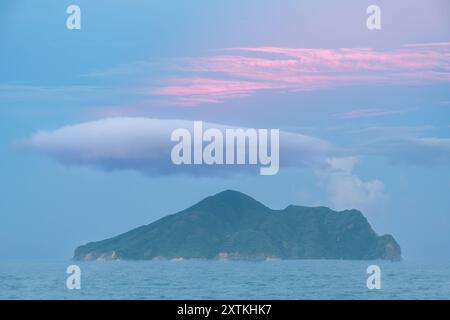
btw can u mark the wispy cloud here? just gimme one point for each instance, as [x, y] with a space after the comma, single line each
[430, 44]
[242, 71]
[58, 94]
[193, 91]
[423, 151]
[14, 92]
[368, 113]
[391, 132]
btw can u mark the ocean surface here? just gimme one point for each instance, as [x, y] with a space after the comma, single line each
[189, 279]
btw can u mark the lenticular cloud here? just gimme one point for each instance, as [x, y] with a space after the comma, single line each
[144, 145]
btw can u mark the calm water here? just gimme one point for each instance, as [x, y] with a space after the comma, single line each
[225, 280]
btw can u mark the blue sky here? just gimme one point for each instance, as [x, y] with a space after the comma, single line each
[379, 99]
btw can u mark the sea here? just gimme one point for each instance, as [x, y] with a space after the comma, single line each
[204, 279]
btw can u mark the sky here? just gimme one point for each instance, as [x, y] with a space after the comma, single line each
[84, 114]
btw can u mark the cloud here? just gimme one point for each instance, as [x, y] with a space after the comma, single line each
[59, 94]
[242, 71]
[381, 132]
[424, 151]
[346, 190]
[234, 73]
[406, 145]
[360, 59]
[194, 91]
[10, 92]
[368, 113]
[430, 44]
[144, 145]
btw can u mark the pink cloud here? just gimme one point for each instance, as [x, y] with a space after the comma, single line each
[366, 113]
[195, 90]
[431, 44]
[239, 72]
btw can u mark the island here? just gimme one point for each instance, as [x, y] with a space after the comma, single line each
[232, 225]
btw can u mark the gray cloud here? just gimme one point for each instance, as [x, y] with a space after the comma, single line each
[144, 145]
[426, 151]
